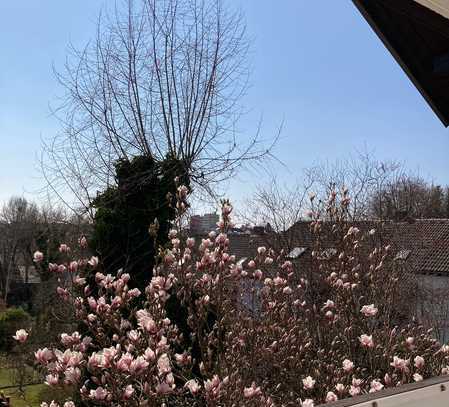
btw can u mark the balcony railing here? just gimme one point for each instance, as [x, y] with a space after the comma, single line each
[428, 393]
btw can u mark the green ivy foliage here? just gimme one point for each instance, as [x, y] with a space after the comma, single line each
[144, 193]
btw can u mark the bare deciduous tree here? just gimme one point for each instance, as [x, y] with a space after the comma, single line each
[161, 78]
[379, 190]
[279, 206]
[282, 206]
[25, 225]
[362, 174]
[408, 196]
[17, 218]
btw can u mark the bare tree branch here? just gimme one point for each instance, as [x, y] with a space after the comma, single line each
[162, 78]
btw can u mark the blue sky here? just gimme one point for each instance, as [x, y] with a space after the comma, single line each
[320, 70]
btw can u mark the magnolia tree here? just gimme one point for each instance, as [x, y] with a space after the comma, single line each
[261, 334]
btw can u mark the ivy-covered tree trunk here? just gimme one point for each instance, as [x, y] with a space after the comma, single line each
[143, 196]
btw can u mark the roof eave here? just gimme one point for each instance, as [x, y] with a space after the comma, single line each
[400, 61]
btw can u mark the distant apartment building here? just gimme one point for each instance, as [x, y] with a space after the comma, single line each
[200, 224]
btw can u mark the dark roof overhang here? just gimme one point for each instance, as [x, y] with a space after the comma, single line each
[418, 38]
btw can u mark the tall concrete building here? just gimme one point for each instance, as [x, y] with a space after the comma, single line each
[200, 224]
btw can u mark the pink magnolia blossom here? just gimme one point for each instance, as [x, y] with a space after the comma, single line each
[399, 364]
[124, 362]
[82, 241]
[417, 377]
[261, 250]
[376, 385]
[63, 248]
[369, 310]
[75, 358]
[279, 281]
[138, 365]
[308, 383]
[52, 379]
[356, 382]
[128, 392]
[252, 391]
[419, 362]
[72, 375]
[66, 339]
[133, 335]
[92, 303]
[79, 281]
[134, 293]
[63, 293]
[193, 386]
[331, 397]
[53, 268]
[38, 256]
[221, 239]
[98, 394]
[96, 360]
[109, 355]
[164, 388]
[21, 335]
[348, 365]
[410, 341]
[340, 388]
[212, 386]
[287, 290]
[258, 274]
[150, 355]
[43, 356]
[146, 321]
[307, 403]
[182, 359]
[329, 304]
[268, 260]
[183, 191]
[366, 341]
[227, 209]
[169, 257]
[73, 266]
[116, 302]
[163, 364]
[93, 262]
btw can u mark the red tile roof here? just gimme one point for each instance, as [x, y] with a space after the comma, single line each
[427, 240]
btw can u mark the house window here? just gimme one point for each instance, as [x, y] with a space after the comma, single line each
[296, 252]
[249, 297]
[402, 254]
[327, 254]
